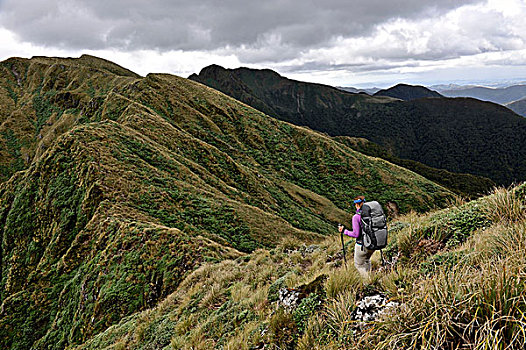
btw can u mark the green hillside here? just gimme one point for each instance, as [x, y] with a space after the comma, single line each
[460, 135]
[118, 188]
[457, 276]
[463, 184]
[43, 97]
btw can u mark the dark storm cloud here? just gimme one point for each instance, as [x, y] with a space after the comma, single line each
[204, 25]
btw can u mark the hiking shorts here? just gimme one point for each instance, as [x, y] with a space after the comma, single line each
[362, 259]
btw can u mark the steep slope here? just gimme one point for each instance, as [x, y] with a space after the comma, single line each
[457, 276]
[142, 180]
[466, 185]
[518, 107]
[408, 92]
[43, 97]
[459, 135]
[497, 95]
[279, 97]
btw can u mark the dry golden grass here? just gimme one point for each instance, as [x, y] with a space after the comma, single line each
[477, 305]
[505, 204]
[344, 280]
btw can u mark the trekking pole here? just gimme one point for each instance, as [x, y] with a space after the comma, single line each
[343, 249]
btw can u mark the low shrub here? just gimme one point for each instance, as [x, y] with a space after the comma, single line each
[306, 309]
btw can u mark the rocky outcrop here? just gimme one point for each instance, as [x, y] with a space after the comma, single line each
[371, 308]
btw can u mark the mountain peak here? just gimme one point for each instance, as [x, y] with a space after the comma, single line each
[408, 92]
[212, 68]
[217, 69]
[88, 61]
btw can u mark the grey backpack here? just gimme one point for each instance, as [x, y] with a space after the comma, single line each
[374, 226]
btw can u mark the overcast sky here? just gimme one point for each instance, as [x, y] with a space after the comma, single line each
[337, 42]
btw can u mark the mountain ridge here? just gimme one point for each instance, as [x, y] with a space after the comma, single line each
[129, 184]
[497, 95]
[518, 106]
[445, 133]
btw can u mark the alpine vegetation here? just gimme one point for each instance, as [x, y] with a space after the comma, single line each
[117, 188]
[157, 213]
[454, 278]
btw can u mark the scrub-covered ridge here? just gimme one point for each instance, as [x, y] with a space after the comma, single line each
[460, 135]
[118, 188]
[453, 279]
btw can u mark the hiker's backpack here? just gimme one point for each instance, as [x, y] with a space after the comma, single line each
[374, 226]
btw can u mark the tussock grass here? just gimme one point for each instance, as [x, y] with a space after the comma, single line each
[242, 340]
[509, 239]
[456, 201]
[505, 204]
[413, 233]
[469, 294]
[337, 320]
[310, 339]
[470, 307]
[480, 304]
[342, 281]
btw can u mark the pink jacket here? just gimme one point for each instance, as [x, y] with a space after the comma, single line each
[356, 228]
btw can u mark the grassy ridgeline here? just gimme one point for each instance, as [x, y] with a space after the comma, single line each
[460, 280]
[114, 188]
[456, 134]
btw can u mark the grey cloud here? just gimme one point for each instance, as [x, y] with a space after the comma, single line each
[420, 43]
[313, 66]
[204, 25]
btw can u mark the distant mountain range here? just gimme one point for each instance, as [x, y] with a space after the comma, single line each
[506, 95]
[518, 107]
[369, 91]
[462, 135]
[498, 95]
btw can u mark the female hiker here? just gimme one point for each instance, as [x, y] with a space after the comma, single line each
[362, 255]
